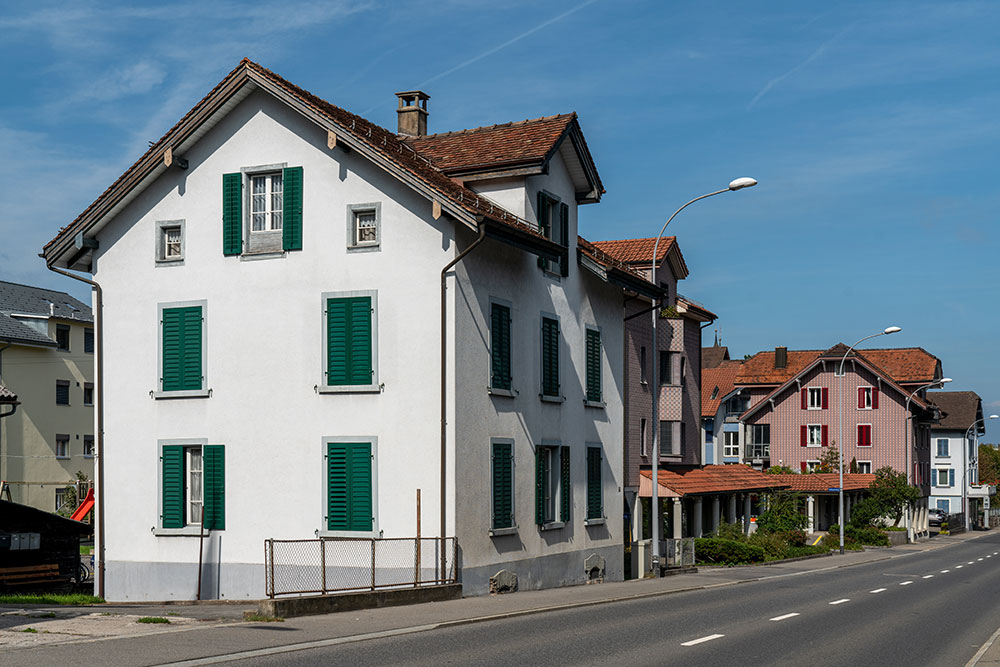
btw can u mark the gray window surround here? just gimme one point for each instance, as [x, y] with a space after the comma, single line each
[160, 246]
[601, 521]
[266, 244]
[324, 482]
[546, 398]
[366, 246]
[204, 392]
[512, 530]
[601, 404]
[158, 529]
[90, 386]
[555, 476]
[495, 391]
[373, 388]
[554, 231]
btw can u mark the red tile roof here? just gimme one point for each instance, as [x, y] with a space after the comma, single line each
[821, 482]
[902, 365]
[606, 260]
[637, 251]
[717, 382]
[521, 142]
[716, 479]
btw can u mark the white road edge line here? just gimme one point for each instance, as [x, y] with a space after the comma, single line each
[702, 639]
[905, 583]
[784, 616]
[841, 601]
[877, 590]
[928, 576]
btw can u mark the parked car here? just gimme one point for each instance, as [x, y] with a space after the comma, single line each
[936, 516]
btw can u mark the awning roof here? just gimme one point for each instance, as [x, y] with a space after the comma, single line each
[822, 482]
[709, 479]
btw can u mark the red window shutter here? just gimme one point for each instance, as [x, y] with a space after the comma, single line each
[805, 399]
[868, 436]
[861, 397]
[804, 430]
[824, 435]
[874, 398]
[803, 466]
[861, 435]
[826, 398]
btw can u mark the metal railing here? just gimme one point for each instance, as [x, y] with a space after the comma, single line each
[758, 451]
[341, 564]
[678, 552]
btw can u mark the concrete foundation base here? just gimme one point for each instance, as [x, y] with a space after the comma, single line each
[328, 604]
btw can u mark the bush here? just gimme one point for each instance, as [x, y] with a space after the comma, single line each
[808, 550]
[726, 552]
[782, 514]
[775, 545]
[866, 512]
[832, 540]
[869, 536]
[730, 531]
[795, 538]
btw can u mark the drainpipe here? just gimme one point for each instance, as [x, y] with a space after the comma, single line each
[6, 414]
[444, 380]
[99, 332]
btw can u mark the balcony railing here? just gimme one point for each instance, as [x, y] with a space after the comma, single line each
[759, 451]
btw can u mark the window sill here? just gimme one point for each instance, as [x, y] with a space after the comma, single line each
[365, 247]
[187, 393]
[496, 391]
[351, 389]
[88, 456]
[173, 261]
[255, 256]
[62, 458]
[186, 531]
[595, 522]
[865, 446]
[814, 446]
[552, 525]
[595, 404]
[502, 532]
[551, 399]
[554, 275]
[347, 533]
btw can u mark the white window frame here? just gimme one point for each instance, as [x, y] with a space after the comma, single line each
[269, 212]
[189, 529]
[865, 463]
[189, 496]
[62, 439]
[809, 435]
[728, 448]
[324, 479]
[869, 395]
[871, 432]
[512, 530]
[818, 393]
[947, 475]
[61, 496]
[643, 443]
[267, 243]
[811, 464]
[937, 447]
[552, 485]
[551, 267]
[162, 228]
[90, 439]
[353, 213]
[204, 392]
[373, 388]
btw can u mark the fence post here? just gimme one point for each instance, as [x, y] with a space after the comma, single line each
[270, 572]
[373, 563]
[322, 561]
[416, 565]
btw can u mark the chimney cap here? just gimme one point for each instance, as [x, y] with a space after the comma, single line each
[419, 94]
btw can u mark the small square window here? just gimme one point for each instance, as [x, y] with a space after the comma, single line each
[865, 467]
[62, 446]
[364, 225]
[815, 435]
[62, 337]
[169, 241]
[61, 495]
[88, 393]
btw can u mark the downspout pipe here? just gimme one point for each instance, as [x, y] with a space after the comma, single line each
[99, 332]
[444, 385]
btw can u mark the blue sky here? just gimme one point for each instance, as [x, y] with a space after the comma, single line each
[872, 128]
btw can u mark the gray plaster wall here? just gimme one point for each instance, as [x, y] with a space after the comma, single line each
[561, 569]
[155, 581]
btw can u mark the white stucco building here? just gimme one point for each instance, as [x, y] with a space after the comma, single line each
[955, 455]
[272, 280]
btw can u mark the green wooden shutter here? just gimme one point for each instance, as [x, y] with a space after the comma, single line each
[539, 485]
[232, 214]
[500, 346]
[214, 461]
[349, 341]
[595, 501]
[349, 487]
[593, 365]
[550, 357]
[503, 491]
[291, 219]
[564, 237]
[542, 215]
[565, 487]
[172, 486]
[181, 349]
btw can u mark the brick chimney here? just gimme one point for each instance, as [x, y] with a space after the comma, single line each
[780, 357]
[412, 113]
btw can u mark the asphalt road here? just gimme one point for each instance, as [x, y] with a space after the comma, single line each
[930, 608]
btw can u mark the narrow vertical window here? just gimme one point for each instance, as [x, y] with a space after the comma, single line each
[350, 341]
[62, 446]
[350, 487]
[62, 392]
[62, 337]
[595, 493]
[550, 357]
[182, 354]
[502, 461]
[594, 394]
[500, 347]
[88, 341]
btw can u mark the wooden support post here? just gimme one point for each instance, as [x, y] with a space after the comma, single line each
[322, 561]
[416, 579]
[373, 563]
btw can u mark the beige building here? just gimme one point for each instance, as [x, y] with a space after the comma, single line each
[47, 360]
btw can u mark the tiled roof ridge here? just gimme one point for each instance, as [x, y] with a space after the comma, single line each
[607, 259]
[481, 128]
[648, 238]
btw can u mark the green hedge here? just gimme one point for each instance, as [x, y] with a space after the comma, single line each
[721, 551]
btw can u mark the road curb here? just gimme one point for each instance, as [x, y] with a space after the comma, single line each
[984, 649]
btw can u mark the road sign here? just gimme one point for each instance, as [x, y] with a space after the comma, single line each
[836, 488]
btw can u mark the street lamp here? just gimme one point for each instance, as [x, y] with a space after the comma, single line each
[840, 493]
[735, 184]
[906, 447]
[965, 467]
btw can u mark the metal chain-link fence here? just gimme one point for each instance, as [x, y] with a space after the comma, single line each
[678, 552]
[337, 564]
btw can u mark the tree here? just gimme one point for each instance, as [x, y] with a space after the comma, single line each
[782, 513]
[830, 461]
[989, 464]
[779, 470]
[853, 469]
[891, 494]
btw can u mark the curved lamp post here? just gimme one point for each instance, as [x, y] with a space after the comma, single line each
[736, 184]
[965, 467]
[840, 493]
[906, 447]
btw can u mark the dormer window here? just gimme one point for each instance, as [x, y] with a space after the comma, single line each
[553, 223]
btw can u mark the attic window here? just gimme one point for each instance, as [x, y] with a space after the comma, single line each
[169, 241]
[715, 393]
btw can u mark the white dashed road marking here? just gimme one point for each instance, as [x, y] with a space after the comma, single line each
[703, 639]
[877, 590]
[928, 576]
[945, 571]
[905, 583]
[969, 563]
[841, 601]
[979, 559]
[959, 567]
[784, 616]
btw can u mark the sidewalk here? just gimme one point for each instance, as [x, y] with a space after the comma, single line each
[67, 625]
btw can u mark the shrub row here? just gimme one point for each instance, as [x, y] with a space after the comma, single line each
[721, 551]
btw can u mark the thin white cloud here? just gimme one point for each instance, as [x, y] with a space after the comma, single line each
[812, 56]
